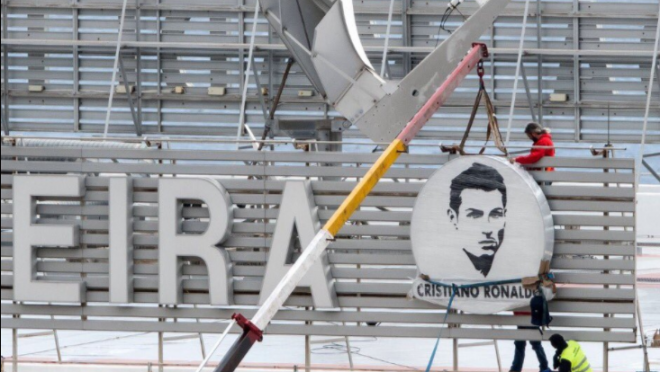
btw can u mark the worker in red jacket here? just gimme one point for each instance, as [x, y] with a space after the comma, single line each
[543, 145]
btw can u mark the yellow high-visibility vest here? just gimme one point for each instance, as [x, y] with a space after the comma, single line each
[574, 354]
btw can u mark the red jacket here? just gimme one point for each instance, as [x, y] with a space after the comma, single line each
[537, 154]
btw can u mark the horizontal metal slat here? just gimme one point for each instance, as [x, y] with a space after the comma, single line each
[572, 307]
[316, 316]
[333, 331]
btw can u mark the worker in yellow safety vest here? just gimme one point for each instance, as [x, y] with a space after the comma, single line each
[569, 357]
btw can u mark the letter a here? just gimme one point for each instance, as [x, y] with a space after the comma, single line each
[298, 212]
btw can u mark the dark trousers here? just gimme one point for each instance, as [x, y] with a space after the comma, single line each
[519, 359]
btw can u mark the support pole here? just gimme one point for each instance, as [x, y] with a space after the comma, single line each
[387, 39]
[640, 322]
[529, 92]
[5, 68]
[308, 354]
[57, 343]
[349, 352]
[539, 46]
[202, 347]
[5, 127]
[216, 346]
[129, 97]
[159, 66]
[497, 353]
[275, 104]
[138, 62]
[241, 120]
[120, 34]
[654, 66]
[455, 358]
[161, 352]
[75, 26]
[14, 350]
[201, 340]
[521, 47]
[577, 84]
[406, 22]
[262, 101]
[640, 162]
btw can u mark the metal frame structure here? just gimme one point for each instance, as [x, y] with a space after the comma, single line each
[173, 46]
[176, 48]
[615, 275]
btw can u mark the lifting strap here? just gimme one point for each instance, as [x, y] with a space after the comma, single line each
[493, 125]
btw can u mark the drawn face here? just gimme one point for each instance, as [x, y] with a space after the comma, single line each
[481, 221]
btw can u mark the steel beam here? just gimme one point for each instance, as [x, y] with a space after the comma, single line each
[654, 173]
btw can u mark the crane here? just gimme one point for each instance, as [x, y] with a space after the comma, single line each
[322, 36]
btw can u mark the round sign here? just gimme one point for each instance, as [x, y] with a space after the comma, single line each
[480, 220]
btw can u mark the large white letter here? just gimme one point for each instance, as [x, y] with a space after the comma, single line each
[173, 244]
[121, 240]
[298, 212]
[28, 236]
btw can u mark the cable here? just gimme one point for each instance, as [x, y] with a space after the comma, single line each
[451, 7]
[302, 18]
[88, 343]
[441, 26]
[465, 18]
